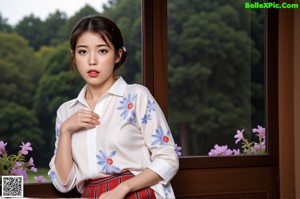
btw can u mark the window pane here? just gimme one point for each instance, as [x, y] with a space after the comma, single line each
[35, 75]
[216, 73]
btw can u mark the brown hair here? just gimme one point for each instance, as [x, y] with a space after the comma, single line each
[105, 28]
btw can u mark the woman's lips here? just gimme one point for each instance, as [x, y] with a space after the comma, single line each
[93, 73]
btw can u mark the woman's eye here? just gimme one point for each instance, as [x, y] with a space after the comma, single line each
[82, 52]
[102, 51]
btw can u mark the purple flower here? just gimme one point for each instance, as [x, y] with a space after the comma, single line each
[25, 148]
[18, 170]
[2, 147]
[259, 147]
[220, 150]
[239, 136]
[30, 162]
[252, 147]
[236, 152]
[261, 132]
[17, 165]
[177, 149]
[39, 179]
[33, 169]
[263, 146]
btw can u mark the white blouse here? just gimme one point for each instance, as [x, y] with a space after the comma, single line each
[133, 135]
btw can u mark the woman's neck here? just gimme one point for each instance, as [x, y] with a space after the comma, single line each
[94, 93]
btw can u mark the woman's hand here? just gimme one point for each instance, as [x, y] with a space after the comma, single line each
[119, 192]
[81, 119]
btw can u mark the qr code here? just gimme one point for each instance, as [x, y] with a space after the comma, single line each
[12, 186]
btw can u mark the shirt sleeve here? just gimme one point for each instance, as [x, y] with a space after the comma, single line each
[56, 180]
[157, 136]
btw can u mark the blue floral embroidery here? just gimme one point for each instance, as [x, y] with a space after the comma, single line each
[159, 137]
[132, 118]
[107, 162]
[151, 106]
[167, 190]
[127, 105]
[146, 118]
[57, 132]
[51, 175]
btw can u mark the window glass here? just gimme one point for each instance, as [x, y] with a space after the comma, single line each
[216, 76]
[35, 74]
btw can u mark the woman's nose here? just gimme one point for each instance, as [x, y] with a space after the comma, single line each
[92, 60]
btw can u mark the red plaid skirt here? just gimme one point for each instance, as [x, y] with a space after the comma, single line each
[94, 188]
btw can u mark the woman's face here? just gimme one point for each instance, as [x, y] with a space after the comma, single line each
[95, 59]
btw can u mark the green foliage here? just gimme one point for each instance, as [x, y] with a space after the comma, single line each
[12, 86]
[51, 27]
[63, 33]
[58, 60]
[7, 162]
[30, 29]
[18, 72]
[41, 33]
[4, 26]
[19, 124]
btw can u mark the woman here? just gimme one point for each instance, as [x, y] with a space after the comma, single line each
[113, 140]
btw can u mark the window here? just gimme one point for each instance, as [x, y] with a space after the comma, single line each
[155, 75]
[216, 56]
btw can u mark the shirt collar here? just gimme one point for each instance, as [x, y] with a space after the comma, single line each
[118, 88]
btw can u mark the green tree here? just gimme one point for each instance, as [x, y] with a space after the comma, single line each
[18, 72]
[4, 26]
[19, 124]
[41, 33]
[63, 33]
[31, 28]
[51, 26]
[19, 75]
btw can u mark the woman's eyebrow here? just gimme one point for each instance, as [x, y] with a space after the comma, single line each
[85, 46]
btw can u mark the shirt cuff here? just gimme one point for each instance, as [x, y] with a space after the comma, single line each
[163, 169]
[65, 187]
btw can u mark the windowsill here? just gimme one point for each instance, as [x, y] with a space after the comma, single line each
[47, 190]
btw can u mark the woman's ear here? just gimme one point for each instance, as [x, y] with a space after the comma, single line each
[118, 55]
